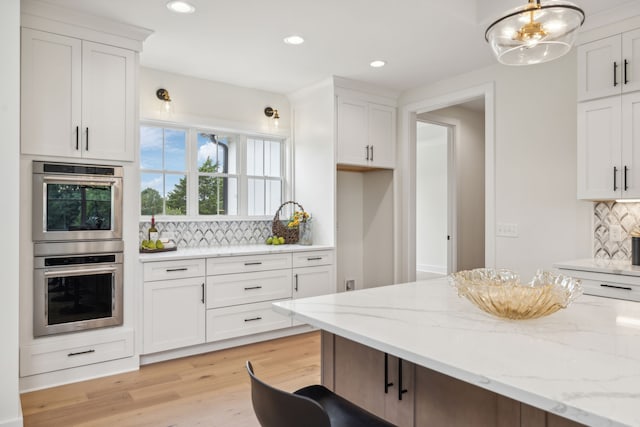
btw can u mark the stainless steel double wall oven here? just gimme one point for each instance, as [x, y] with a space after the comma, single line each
[78, 248]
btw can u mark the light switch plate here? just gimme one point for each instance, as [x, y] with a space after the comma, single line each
[504, 229]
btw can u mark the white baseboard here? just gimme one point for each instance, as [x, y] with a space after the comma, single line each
[15, 422]
[426, 268]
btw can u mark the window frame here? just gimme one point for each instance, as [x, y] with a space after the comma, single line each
[192, 174]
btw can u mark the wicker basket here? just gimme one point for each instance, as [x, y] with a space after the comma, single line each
[280, 228]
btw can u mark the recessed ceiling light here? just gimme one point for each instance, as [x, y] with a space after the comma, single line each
[378, 63]
[180, 6]
[293, 40]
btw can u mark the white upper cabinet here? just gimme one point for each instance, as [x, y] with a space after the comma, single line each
[609, 66]
[609, 148]
[365, 133]
[78, 98]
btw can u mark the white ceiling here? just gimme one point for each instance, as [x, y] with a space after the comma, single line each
[240, 41]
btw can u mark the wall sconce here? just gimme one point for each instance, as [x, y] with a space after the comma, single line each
[163, 95]
[270, 112]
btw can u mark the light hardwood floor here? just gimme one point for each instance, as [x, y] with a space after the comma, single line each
[206, 390]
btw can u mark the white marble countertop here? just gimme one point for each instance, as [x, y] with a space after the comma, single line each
[231, 250]
[582, 363]
[601, 266]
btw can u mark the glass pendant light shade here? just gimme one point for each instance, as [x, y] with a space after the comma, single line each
[535, 33]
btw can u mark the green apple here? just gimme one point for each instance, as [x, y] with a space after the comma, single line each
[269, 240]
[159, 244]
[281, 240]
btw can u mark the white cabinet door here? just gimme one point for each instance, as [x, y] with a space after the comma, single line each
[599, 149]
[352, 129]
[382, 136]
[600, 68]
[631, 61]
[51, 67]
[108, 102]
[312, 281]
[174, 314]
[630, 162]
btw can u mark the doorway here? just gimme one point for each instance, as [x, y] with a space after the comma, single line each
[481, 228]
[435, 194]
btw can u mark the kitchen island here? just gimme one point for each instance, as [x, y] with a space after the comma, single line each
[580, 364]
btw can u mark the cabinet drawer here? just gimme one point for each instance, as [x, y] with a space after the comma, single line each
[311, 258]
[231, 322]
[54, 355]
[248, 263]
[163, 270]
[611, 289]
[233, 289]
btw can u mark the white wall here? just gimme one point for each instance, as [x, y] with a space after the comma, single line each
[431, 197]
[208, 103]
[10, 411]
[350, 235]
[535, 161]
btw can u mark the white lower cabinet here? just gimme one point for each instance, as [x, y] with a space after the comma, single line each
[245, 319]
[174, 314]
[75, 350]
[196, 301]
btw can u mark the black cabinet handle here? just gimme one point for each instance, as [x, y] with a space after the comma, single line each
[615, 183]
[253, 319]
[77, 137]
[78, 353]
[367, 148]
[387, 384]
[252, 287]
[626, 186]
[202, 299]
[172, 270]
[371, 153]
[624, 288]
[615, 72]
[401, 390]
[316, 258]
[295, 276]
[253, 263]
[625, 71]
[86, 146]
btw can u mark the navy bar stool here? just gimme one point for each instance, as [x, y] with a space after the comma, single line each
[312, 406]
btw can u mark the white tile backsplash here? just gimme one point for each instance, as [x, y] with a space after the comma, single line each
[608, 215]
[198, 234]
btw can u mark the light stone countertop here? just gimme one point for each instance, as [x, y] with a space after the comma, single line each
[601, 266]
[582, 363]
[231, 250]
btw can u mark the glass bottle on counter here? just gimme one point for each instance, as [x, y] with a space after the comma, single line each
[153, 231]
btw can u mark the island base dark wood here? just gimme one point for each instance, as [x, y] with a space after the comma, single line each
[413, 396]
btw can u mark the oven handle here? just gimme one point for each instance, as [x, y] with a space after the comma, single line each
[79, 272]
[80, 180]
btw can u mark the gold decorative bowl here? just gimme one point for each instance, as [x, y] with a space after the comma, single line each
[499, 292]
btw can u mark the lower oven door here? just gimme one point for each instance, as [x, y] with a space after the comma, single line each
[75, 298]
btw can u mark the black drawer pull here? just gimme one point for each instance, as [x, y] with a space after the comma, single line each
[173, 270]
[401, 390]
[625, 288]
[252, 287]
[252, 319]
[253, 263]
[78, 353]
[387, 384]
[316, 258]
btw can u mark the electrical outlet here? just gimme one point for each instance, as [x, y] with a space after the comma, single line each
[615, 233]
[350, 285]
[168, 235]
[504, 229]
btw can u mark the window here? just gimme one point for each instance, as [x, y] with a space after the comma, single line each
[196, 172]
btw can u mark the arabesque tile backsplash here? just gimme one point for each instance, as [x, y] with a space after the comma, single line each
[200, 234]
[606, 214]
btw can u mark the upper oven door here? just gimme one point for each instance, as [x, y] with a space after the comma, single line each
[68, 207]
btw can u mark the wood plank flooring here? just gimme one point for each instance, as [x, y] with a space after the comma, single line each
[211, 389]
